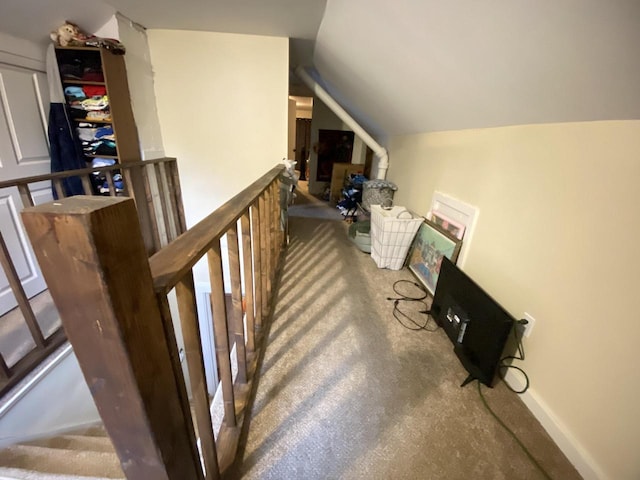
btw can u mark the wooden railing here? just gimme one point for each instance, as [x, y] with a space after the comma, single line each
[155, 186]
[115, 308]
[159, 201]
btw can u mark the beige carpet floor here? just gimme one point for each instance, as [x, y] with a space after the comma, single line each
[347, 393]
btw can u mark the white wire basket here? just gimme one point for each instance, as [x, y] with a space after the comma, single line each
[392, 232]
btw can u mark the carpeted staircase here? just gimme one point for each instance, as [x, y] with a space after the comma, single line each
[79, 455]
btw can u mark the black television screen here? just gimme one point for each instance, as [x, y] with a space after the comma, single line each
[476, 324]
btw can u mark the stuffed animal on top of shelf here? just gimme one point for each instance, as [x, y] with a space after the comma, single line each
[68, 35]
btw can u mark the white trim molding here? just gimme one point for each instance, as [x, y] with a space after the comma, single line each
[575, 452]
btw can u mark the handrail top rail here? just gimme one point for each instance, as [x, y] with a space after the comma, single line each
[75, 205]
[82, 171]
[171, 263]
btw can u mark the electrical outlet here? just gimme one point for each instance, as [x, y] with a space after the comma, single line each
[529, 326]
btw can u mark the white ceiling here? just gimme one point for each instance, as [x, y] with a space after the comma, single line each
[416, 65]
[429, 65]
[34, 19]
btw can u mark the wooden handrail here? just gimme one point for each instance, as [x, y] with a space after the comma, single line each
[23, 302]
[167, 212]
[169, 265]
[126, 352]
[82, 171]
[98, 242]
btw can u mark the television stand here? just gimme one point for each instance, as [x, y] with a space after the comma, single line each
[468, 380]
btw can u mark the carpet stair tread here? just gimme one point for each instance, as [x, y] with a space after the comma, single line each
[75, 442]
[92, 431]
[20, 474]
[61, 461]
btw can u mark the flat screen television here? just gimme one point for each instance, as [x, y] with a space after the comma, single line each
[475, 323]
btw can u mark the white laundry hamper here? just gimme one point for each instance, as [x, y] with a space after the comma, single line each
[392, 232]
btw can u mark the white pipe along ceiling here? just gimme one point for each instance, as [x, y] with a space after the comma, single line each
[327, 99]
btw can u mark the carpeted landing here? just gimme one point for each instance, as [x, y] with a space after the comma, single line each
[347, 393]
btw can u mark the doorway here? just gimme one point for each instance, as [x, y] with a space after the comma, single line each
[303, 145]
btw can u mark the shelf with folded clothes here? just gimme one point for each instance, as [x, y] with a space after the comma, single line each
[89, 94]
[78, 48]
[102, 181]
[102, 184]
[88, 103]
[97, 97]
[93, 120]
[70, 81]
[78, 64]
[92, 155]
[97, 141]
[100, 148]
[92, 116]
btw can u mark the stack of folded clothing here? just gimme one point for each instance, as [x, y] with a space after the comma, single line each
[100, 179]
[89, 101]
[98, 141]
[82, 71]
[117, 183]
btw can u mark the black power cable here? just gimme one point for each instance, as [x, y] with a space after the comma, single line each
[398, 314]
[513, 435]
[503, 367]
[401, 316]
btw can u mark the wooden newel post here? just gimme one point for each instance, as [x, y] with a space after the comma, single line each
[94, 260]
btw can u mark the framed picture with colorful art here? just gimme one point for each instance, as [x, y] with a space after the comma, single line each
[430, 244]
[454, 228]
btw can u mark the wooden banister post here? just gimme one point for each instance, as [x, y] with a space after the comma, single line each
[257, 262]
[23, 301]
[247, 263]
[136, 187]
[4, 369]
[94, 260]
[174, 176]
[277, 240]
[221, 333]
[265, 238]
[186, 294]
[164, 204]
[25, 195]
[237, 320]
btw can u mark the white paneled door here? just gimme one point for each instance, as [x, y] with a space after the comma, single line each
[24, 152]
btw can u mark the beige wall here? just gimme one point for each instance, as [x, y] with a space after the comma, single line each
[557, 237]
[223, 105]
[140, 78]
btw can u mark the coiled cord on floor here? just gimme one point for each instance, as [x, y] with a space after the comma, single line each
[401, 316]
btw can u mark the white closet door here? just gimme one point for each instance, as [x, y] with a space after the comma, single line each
[24, 152]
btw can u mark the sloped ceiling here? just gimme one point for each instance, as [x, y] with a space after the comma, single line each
[426, 65]
[412, 66]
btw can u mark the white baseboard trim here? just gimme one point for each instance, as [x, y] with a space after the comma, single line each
[575, 452]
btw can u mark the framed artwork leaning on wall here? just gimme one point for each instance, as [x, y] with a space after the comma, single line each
[455, 228]
[430, 244]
